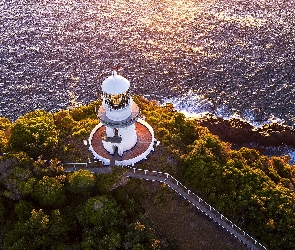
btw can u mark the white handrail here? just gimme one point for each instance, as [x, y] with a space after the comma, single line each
[194, 199]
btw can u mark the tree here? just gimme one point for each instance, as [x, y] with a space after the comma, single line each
[111, 241]
[34, 133]
[30, 234]
[103, 212]
[23, 210]
[4, 133]
[84, 112]
[51, 168]
[18, 181]
[140, 236]
[64, 122]
[280, 164]
[250, 155]
[106, 182]
[49, 191]
[81, 182]
[2, 212]
[58, 228]
[20, 158]
[40, 231]
[138, 246]
[246, 187]
[102, 220]
[83, 128]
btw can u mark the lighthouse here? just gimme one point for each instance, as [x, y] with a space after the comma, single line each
[118, 113]
[121, 136]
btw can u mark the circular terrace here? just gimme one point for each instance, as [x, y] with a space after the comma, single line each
[144, 145]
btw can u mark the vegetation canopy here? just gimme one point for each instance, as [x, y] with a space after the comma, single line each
[34, 133]
[43, 207]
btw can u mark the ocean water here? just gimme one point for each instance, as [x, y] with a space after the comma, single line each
[228, 57]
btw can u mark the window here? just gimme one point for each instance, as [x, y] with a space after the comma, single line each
[117, 101]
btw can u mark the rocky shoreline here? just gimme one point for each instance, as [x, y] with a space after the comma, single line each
[269, 139]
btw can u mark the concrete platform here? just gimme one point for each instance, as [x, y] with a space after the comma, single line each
[145, 144]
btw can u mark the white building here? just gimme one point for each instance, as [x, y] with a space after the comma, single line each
[119, 122]
[118, 113]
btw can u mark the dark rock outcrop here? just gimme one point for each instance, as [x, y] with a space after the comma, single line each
[237, 131]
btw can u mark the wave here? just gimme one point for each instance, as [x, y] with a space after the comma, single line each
[192, 104]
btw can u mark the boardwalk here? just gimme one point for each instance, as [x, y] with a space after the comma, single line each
[185, 193]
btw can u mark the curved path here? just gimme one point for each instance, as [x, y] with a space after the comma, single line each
[184, 192]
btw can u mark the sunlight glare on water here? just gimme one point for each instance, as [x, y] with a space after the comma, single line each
[237, 57]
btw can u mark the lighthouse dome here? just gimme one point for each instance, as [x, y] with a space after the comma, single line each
[115, 84]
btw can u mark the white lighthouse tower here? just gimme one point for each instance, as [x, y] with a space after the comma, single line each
[120, 132]
[118, 113]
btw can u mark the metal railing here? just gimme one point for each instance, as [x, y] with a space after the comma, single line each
[74, 166]
[199, 203]
[186, 193]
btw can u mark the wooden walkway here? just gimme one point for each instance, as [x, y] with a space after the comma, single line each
[187, 194]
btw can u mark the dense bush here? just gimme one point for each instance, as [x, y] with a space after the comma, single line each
[34, 133]
[246, 188]
[81, 182]
[4, 133]
[42, 207]
[254, 191]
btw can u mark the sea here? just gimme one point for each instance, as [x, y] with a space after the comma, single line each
[232, 58]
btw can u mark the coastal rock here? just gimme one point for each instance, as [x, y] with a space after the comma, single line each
[240, 132]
